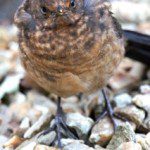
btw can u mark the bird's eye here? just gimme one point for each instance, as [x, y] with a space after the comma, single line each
[72, 3]
[44, 10]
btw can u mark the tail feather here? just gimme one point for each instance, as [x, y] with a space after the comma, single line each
[137, 46]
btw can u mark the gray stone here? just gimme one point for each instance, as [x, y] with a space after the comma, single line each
[142, 101]
[69, 144]
[123, 134]
[143, 140]
[3, 139]
[145, 89]
[10, 84]
[129, 146]
[47, 139]
[43, 122]
[132, 113]
[122, 100]
[25, 123]
[103, 131]
[80, 123]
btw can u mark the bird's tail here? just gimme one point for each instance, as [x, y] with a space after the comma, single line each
[137, 46]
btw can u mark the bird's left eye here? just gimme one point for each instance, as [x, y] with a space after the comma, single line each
[72, 3]
[44, 10]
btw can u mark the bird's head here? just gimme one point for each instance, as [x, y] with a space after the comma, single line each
[56, 13]
[48, 14]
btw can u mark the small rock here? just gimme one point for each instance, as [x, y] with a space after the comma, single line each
[19, 110]
[13, 142]
[47, 139]
[132, 113]
[69, 144]
[43, 122]
[122, 100]
[25, 124]
[4, 68]
[43, 147]
[14, 46]
[69, 141]
[145, 89]
[3, 139]
[41, 102]
[30, 146]
[142, 141]
[18, 97]
[10, 84]
[80, 123]
[142, 101]
[97, 147]
[123, 134]
[148, 139]
[129, 146]
[103, 131]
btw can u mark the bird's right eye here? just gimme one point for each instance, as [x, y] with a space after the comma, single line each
[44, 10]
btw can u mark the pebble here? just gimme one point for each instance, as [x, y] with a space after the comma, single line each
[47, 139]
[131, 113]
[19, 110]
[41, 102]
[129, 146]
[69, 144]
[145, 89]
[43, 147]
[30, 146]
[25, 124]
[103, 131]
[3, 139]
[122, 100]
[143, 141]
[142, 101]
[123, 134]
[10, 84]
[13, 142]
[18, 97]
[43, 122]
[4, 68]
[80, 123]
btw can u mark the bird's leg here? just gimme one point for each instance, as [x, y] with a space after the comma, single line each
[60, 125]
[109, 111]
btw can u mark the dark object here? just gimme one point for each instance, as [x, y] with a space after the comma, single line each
[137, 46]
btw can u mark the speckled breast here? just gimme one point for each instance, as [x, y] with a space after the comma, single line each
[70, 60]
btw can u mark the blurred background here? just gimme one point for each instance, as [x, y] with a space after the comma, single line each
[18, 108]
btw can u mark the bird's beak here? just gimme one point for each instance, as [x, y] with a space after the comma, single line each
[59, 10]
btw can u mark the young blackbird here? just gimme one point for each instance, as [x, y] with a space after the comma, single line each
[69, 47]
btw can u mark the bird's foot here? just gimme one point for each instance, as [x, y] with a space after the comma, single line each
[110, 112]
[60, 127]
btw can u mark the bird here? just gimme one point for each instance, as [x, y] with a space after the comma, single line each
[70, 47]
